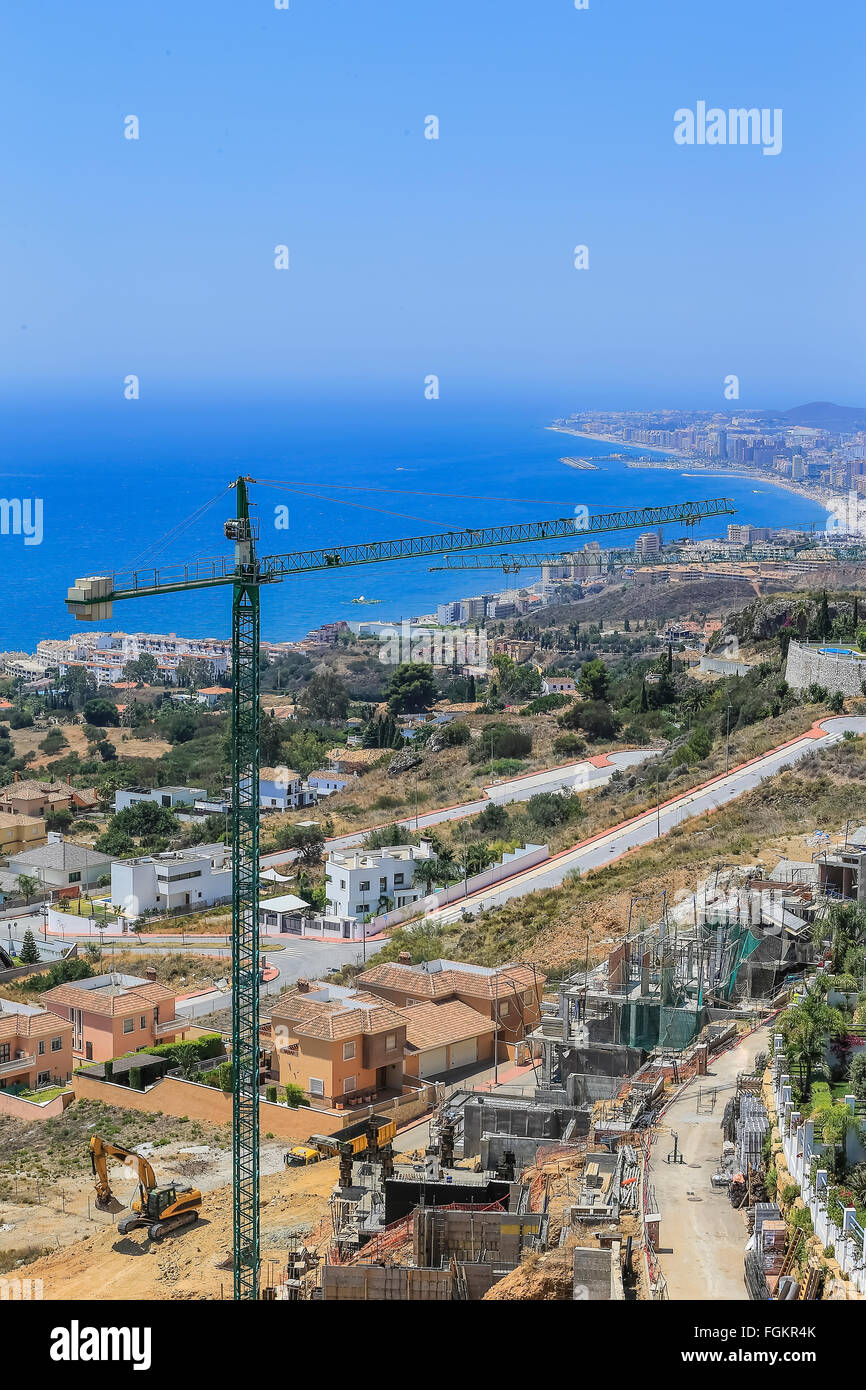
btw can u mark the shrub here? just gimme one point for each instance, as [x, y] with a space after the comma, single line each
[271, 1093]
[500, 741]
[135, 1078]
[182, 1054]
[569, 743]
[296, 1095]
[453, 735]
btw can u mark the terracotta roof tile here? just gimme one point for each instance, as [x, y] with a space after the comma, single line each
[435, 1025]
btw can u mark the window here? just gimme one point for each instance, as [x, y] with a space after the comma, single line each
[348, 1051]
[56, 1044]
[75, 878]
[361, 907]
[342, 883]
[364, 887]
[4, 1052]
[142, 1022]
[504, 1008]
[41, 1047]
[317, 1087]
[128, 1025]
[348, 1085]
[43, 1078]
[398, 878]
[383, 884]
[529, 997]
[390, 1042]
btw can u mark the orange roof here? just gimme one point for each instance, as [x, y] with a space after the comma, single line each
[215, 690]
[334, 1019]
[435, 1025]
[32, 1025]
[440, 984]
[98, 1001]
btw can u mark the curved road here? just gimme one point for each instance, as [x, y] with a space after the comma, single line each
[609, 845]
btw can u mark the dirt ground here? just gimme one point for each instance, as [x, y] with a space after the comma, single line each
[124, 740]
[107, 1266]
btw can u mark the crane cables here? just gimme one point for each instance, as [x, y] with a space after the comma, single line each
[150, 553]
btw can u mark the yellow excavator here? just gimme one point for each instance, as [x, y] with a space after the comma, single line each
[160, 1209]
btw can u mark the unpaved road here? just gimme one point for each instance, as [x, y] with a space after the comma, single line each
[702, 1237]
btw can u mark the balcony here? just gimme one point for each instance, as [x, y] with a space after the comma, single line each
[172, 1025]
[18, 1064]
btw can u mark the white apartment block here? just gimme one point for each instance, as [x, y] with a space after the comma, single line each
[104, 654]
[361, 883]
[196, 877]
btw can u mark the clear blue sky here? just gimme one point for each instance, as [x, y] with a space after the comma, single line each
[412, 256]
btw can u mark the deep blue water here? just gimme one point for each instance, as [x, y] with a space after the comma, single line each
[114, 479]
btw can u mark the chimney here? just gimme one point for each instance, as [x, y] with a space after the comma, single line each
[404, 958]
[303, 985]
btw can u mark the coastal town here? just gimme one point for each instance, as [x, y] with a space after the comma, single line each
[561, 943]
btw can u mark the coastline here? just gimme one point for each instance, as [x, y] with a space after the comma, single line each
[835, 504]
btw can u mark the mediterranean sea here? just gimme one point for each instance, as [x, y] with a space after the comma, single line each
[114, 479]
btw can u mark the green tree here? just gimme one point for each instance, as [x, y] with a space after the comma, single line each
[144, 669]
[101, 713]
[594, 679]
[326, 698]
[29, 953]
[411, 688]
[27, 886]
[594, 717]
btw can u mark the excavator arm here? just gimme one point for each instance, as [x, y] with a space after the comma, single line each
[100, 1152]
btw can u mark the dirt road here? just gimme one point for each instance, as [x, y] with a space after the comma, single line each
[701, 1237]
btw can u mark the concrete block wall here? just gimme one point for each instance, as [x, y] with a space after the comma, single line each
[365, 1282]
[483, 1237]
[805, 666]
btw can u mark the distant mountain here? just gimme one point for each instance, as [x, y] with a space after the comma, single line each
[824, 415]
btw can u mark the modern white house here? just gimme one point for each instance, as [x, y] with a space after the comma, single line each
[361, 883]
[197, 877]
[160, 796]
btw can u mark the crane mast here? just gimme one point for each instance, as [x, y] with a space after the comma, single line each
[91, 599]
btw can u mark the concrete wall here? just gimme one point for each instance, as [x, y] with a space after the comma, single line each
[721, 667]
[366, 1282]
[29, 1110]
[805, 666]
[485, 1237]
[597, 1275]
[185, 1098]
[513, 863]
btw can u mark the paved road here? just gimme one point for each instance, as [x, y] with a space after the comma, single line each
[610, 845]
[701, 1236]
[578, 776]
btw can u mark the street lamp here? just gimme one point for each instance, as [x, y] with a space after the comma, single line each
[727, 736]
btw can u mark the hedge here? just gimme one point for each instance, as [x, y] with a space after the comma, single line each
[195, 1050]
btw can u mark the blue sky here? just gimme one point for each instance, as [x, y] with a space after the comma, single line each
[411, 256]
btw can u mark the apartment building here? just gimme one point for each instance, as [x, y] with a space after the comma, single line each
[361, 883]
[178, 878]
[338, 1044]
[510, 995]
[113, 1014]
[35, 1048]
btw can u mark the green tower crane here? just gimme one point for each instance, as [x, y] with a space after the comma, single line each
[91, 599]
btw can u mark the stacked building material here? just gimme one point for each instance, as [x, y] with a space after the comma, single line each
[752, 1127]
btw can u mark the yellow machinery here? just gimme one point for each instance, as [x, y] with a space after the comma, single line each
[160, 1209]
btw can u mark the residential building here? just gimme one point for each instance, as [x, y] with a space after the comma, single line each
[113, 1014]
[648, 544]
[558, 685]
[19, 833]
[338, 1044]
[35, 1049]
[212, 694]
[160, 796]
[361, 883]
[508, 994]
[442, 1037]
[199, 877]
[34, 798]
[282, 789]
[61, 864]
[325, 783]
[354, 760]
